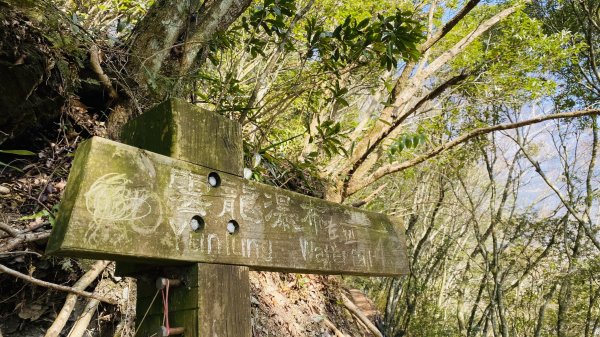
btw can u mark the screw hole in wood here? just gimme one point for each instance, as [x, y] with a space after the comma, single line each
[197, 223]
[214, 180]
[233, 227]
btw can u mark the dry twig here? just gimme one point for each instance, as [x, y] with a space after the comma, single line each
[332, 326]
[354, 310]
[81, 284]
[9, 230]
[59, 287]
[24, 238]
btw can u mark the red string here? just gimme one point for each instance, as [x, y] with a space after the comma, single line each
[165, 299]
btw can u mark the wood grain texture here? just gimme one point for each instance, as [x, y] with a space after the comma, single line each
[224, 300]
[125, 196]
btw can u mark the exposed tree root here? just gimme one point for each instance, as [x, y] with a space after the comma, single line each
[95, 63]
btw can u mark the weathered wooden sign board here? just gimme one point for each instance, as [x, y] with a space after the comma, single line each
[120, 196]
[129, 204]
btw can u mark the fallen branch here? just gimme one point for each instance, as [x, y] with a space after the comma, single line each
[83, 321]
[20, 252]
[59, 287]
[354, 310]
[63, 316]
[9, 230]
[80, 326]
[331, 326]
[24, 238]
[27, 230]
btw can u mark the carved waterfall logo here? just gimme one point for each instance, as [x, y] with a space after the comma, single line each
[112, 199]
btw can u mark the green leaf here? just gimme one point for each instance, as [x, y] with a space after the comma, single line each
[34, 216]
[364, 23]
[416, 140]
[343, 101]
[384, 122]
[18, 152]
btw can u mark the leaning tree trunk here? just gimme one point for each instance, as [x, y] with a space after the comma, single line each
[167, 46]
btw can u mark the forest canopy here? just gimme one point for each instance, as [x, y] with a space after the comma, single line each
[473, 122]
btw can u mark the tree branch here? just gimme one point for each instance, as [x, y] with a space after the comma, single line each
[81, 284]
[24, 238]
[568, 206]
[360, 315]
[95, 63]
[403, 93]
[370, 197]
[436, 64]
[397, 167]
[374, 143]
[448, 26]
[59, 287]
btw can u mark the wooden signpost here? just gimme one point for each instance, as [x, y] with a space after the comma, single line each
[173, 205]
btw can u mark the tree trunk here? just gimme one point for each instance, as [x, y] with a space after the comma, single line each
[166, 47]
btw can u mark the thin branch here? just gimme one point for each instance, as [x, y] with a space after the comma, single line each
[24, 238]
[448, 26]
[359, 314]
[426, 98]
[568, 206]
[59, 287]
[370, 197]
[461, 45]
[9, 230]
[404, 89]
[81, 284]
[27, 230]
[397, 167]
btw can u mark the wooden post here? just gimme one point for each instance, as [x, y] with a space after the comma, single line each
[214, 299]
